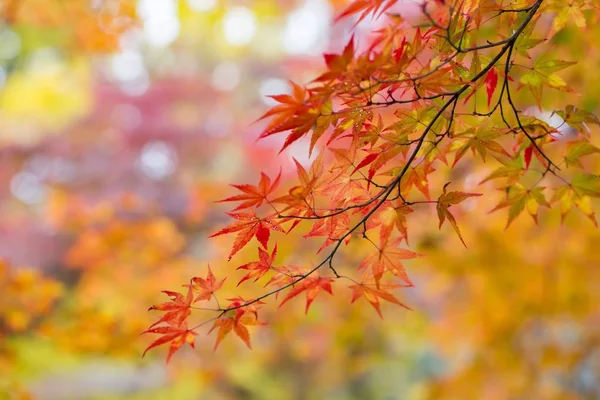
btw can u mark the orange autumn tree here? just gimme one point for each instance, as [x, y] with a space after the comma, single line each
[415, 101]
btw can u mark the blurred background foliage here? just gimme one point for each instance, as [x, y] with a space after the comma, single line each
[122, 121]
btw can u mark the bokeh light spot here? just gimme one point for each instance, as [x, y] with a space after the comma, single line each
[239, 26]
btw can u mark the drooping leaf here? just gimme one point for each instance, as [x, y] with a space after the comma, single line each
[311, 285]
[389, 217]
[527, 155]
[445, 201]
[177, 335]
[387, 258]
[491, 80]
[237, 319]
[566, 196]
[520, 198]
[372, 293]
[586, 184]
[578, 149]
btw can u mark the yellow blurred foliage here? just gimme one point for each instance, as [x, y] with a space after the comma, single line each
[43, 98]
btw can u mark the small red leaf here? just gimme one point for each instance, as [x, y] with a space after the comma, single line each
[366, 161]
[527, 155]
[491, 80]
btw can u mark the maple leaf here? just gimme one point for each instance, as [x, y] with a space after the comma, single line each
[366, 161]
[258, 268]
[417, 177]
[479, 139]
[527, 155]
[312, 285]
[289, 107]
[300, 198]
[345, 191]
[567, 197]
[491, 80]
[237, 320]
[385, 153]
[206, 287]
[524, 42]
[177, 310]
[542, 74]
[578, 119]
[577, 149]
[299, 113]
[284, 276]
[254, 196]
[512, 169]
[372, 293]
[586, 184]
[333, 227]
[176, 334]
[387, 258]
[365, 7]
[565, 12]
[337, 64]
[247, 226]
[445, 201]
[520, 198]
[389, 217]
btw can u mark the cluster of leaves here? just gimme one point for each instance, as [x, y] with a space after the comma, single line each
[417, 100]
[26, 295]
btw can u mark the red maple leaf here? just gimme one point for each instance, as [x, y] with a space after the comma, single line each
[177, 310]
[366, 7]
[206, 287]
[254, 195]
[372, 294]
[259, 268]
[445, 201]
[387, 258]
[312, 285]
[176, 334]
[491, 80]
[237, 320]
[249, 225]
[337, 64]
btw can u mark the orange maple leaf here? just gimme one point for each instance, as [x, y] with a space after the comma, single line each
[337, 64]
[254, 196]
[249, 225]
[445, 201]
[177, 310]
[206, 287]
[377, 7]
[237, 320]
[176, 334]
[259, 268]
[387, 258]
[312, 285]
[372, 294]
[389, 217]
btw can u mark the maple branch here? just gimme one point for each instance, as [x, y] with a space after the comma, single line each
[516, 113]
[384, 194]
